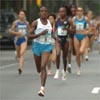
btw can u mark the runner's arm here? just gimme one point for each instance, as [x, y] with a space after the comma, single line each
[32, 35]
[72, 26]
[29, 27]
[12, 29]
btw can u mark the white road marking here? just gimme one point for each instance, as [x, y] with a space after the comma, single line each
[8, 66]
[95, 90]
[5, 58]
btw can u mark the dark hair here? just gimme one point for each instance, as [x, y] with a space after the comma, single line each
[68, 11]
[43, 6]
[53, 15]
[22, 10]
[72, 6]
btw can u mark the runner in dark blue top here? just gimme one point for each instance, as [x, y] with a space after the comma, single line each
[62, 40]
[20, 28]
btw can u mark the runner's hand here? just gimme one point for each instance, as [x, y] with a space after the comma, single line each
[58, 39]
[44, 32]
[19, 33]
[96, 38]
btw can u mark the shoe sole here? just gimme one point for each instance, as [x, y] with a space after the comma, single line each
[69, 70]
[19, 71]
[40, 94]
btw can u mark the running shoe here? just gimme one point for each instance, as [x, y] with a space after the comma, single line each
[79, 72]
[41, 93]
[19, 71]
[63, 75]
[69, 69]
[56, 75]
[49, 72]
[86, 58]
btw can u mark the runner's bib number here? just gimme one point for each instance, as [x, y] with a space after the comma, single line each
[46, 39]
[62, 32]
[22, 29]
[79, 26]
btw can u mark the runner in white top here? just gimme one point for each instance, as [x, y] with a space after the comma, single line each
[42, 46]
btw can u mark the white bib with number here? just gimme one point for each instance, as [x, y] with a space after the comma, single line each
[61, 31]
[44, 39]
[79, 26]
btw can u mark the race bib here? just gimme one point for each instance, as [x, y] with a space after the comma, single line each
[62, 31]
[79, 26]
[42, 39]
[22, 29]
[50, 40]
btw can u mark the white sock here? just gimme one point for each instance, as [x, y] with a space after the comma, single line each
[86, 56]
[42, 87]
[57, 70]
[69, 65]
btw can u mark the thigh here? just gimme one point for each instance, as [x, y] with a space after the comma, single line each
[17, 49]
[83, 44]
[70, 44]
[76, 45]
[44, 58]
[65, 48]
[23, 48]
[87, 45]
[58, 48]
[53, 56]
[92, 39]
[37, 60]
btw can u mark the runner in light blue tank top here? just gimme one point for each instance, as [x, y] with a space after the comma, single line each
[80, 39]
[80, 25]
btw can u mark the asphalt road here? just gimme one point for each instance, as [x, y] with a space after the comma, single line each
[26, 86]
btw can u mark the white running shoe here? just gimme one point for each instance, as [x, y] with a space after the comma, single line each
[41, 92]
[79, 72]
[56, 74]
[86, 58]
[63, 75]
[49, 73]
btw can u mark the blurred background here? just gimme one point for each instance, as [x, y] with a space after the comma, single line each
[9, 9]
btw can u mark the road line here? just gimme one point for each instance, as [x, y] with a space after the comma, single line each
[95, 90]
[8, 66]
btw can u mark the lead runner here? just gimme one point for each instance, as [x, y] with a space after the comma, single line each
[42, 47]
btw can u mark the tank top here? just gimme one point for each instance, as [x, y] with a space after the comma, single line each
[62, 27]
[80, 24]
[22, 27]
[92, 23]
[43, 39]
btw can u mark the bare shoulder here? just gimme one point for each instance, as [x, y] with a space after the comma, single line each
[15, 22]
[34, 23]
[73, 18]
[27, 22]
[86, 18]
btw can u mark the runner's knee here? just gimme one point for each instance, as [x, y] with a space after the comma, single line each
[81, 51]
